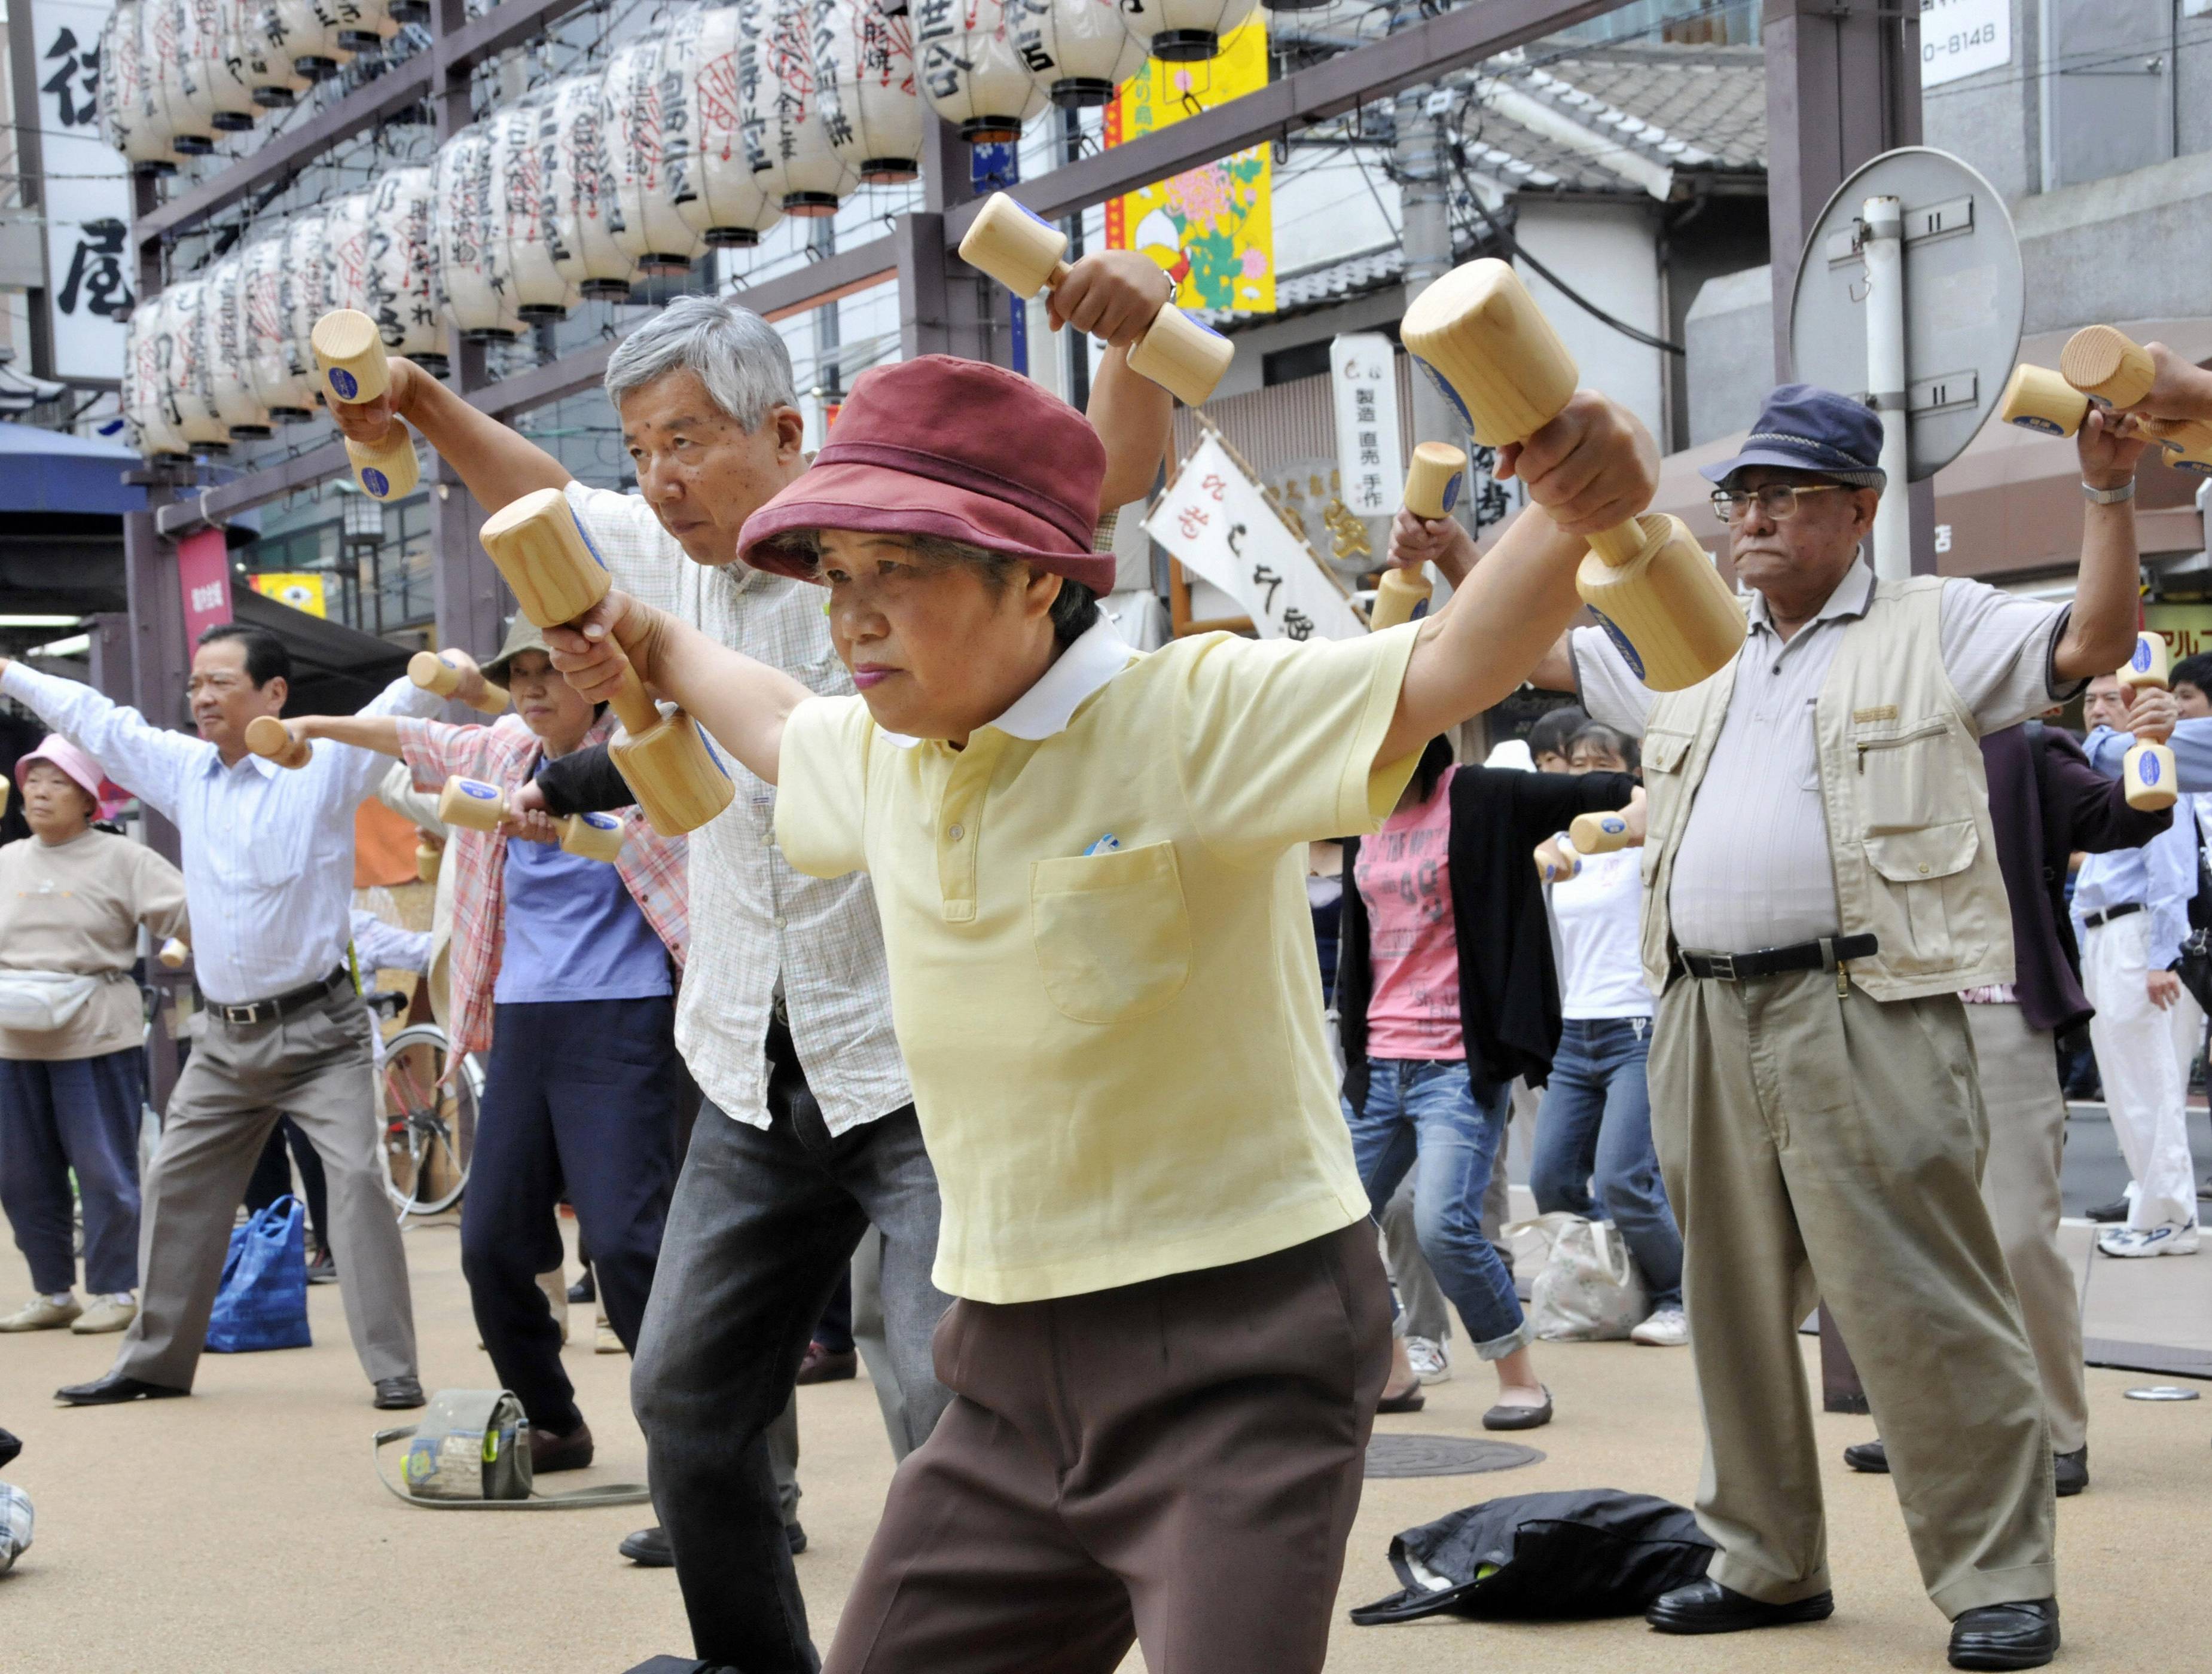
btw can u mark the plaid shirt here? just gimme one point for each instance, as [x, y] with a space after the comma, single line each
[766, 932]
[505, 753]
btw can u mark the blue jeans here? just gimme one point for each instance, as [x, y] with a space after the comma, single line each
[1597, 1119]
[1424, 1116]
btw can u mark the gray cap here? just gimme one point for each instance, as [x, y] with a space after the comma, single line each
[522, 634]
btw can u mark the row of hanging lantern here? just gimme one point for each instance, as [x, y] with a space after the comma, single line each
[175, 74]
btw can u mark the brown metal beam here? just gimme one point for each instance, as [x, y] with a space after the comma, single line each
[1414, 55]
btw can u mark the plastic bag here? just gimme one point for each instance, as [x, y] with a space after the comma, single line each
[263, 1303]
[1589, 1289]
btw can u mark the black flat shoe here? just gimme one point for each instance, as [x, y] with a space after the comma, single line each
[550, 1452]
[2017, 1635]
[397, 1394]
[1870, 1457]
[586, 1290]
[649, 1549]
[2069, 1472]
[1707, 1607]
[2105, 1214]
[1502, 1417]
[1412, 1401]
[113, 1389]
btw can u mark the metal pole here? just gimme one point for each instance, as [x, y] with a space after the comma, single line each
[1889, 380]
[1426, 206]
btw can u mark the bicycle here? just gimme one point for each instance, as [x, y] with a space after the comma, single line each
[429, 1122]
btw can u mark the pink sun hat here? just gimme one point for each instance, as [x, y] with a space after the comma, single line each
[961, 450]
[56, 751]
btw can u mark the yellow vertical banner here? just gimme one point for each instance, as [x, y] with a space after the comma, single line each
[1212, 228]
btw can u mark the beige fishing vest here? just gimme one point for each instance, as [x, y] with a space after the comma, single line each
[1904, 789]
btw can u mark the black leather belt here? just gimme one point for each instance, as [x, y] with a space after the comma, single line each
[283, 1005]
[1823, 955]
[2092, 919]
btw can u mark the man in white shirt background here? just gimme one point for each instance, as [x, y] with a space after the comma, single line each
[267, 864]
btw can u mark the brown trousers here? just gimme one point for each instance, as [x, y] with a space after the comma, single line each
[1176, 1463]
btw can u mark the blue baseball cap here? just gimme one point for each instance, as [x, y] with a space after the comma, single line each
[1803, 427]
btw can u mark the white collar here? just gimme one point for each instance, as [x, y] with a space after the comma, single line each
[1047, 707]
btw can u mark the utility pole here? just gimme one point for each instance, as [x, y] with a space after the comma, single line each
[828, 367]
[1425, 205]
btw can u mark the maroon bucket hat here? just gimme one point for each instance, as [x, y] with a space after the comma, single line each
[959, 449]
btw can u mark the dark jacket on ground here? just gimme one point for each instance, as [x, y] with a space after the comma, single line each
[2045, 803]
[1508, 987]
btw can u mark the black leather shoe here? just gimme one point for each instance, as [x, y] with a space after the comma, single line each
[1707, 1607]
[821, 1365]
[649, 1549]
[113, 1389]
[2105, 1214]
[1871, 1457]
[586, 1290]
[323, 1270]
[1502, 1417]
[2018, 1635]
[550, 1452]
[2070, 1471]
[797, 1535]
[397, 1394]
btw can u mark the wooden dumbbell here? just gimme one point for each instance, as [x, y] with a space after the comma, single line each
[266, 736]
[349, 353]
[1598, 833]
[2037, 399]
[2108, 364]
[2149, 767]
[1432, 486]
[428, 855]
[1556, 861]
[555, 576]
[1022, 252]
[1479, 335]
[480, 807]
[174, 954]
[433, 673]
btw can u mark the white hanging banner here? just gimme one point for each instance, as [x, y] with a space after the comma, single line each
[87, 197]
[1215, 519]
[1370, 457]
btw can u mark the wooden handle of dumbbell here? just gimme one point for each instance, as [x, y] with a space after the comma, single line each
[269, 738]
[433, 673]
[174, 954]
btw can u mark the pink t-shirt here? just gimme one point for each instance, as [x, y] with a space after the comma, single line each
[1404, 879]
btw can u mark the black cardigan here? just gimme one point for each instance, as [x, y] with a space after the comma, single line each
[1509, 988]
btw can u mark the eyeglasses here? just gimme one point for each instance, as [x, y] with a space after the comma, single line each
[1777, 501]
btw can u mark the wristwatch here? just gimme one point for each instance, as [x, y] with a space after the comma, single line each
[2109, 496]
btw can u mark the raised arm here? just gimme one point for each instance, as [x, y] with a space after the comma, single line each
[377, 732]
[149, 760]
[497, 464]
[1135, 418]
[743, 703]
[2100, 631]
[1590, 469]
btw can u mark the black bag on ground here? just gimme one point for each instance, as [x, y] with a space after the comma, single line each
[1538, 1557]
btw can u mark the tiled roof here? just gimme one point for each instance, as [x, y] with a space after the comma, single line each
[1709, 97]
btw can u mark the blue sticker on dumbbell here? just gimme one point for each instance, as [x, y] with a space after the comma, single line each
[375, 482]
[470, 787]
[343, 382]
[1449, 497]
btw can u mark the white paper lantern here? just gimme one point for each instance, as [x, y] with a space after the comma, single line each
[401, 274]
[651, 229]
[1186, 31]
[521, 182]
[144, 410]
[266, 55]
[313, 32]
[475, 290]
[124, 118]
[864, 76]
[345, 251]
[1078, 50]
[306, 292]
[237, 403]
[785, 137]
[214, 68]
[972, 73]
[728, 205]
[581, 184]
[267, 326]
[168, 78]
[192, 369]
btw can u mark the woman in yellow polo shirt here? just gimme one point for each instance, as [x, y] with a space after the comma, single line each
[1172, 1326]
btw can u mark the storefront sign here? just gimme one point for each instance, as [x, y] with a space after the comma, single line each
[1218, 523]
[203, 574]
[303, 590]
[88, 291]
[1958, 37]
[1363, 380]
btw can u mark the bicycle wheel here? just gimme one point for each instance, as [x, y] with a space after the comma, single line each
[429, 1129]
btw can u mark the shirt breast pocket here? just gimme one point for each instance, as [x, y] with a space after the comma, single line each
[1907, 778]
[1112, 932]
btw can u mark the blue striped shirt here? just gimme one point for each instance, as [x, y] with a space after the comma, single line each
[268, 851]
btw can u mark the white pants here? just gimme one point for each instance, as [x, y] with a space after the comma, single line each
[2143, 1055]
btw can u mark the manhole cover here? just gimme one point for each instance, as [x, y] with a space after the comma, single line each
[1443, 1456]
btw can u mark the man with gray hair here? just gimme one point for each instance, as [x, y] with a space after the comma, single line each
[785, 1015]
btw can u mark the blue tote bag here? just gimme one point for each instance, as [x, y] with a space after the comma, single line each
[263, 1303]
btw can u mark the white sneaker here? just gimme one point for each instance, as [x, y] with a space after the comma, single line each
[1666, 1329]
[2149, 1241]
[43, 1313]
[1431, 1360]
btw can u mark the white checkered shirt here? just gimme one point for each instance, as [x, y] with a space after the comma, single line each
[754, 920]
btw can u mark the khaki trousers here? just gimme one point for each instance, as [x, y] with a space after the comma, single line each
[1824, 1148]
[2020, 1184]
[315, 1067]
